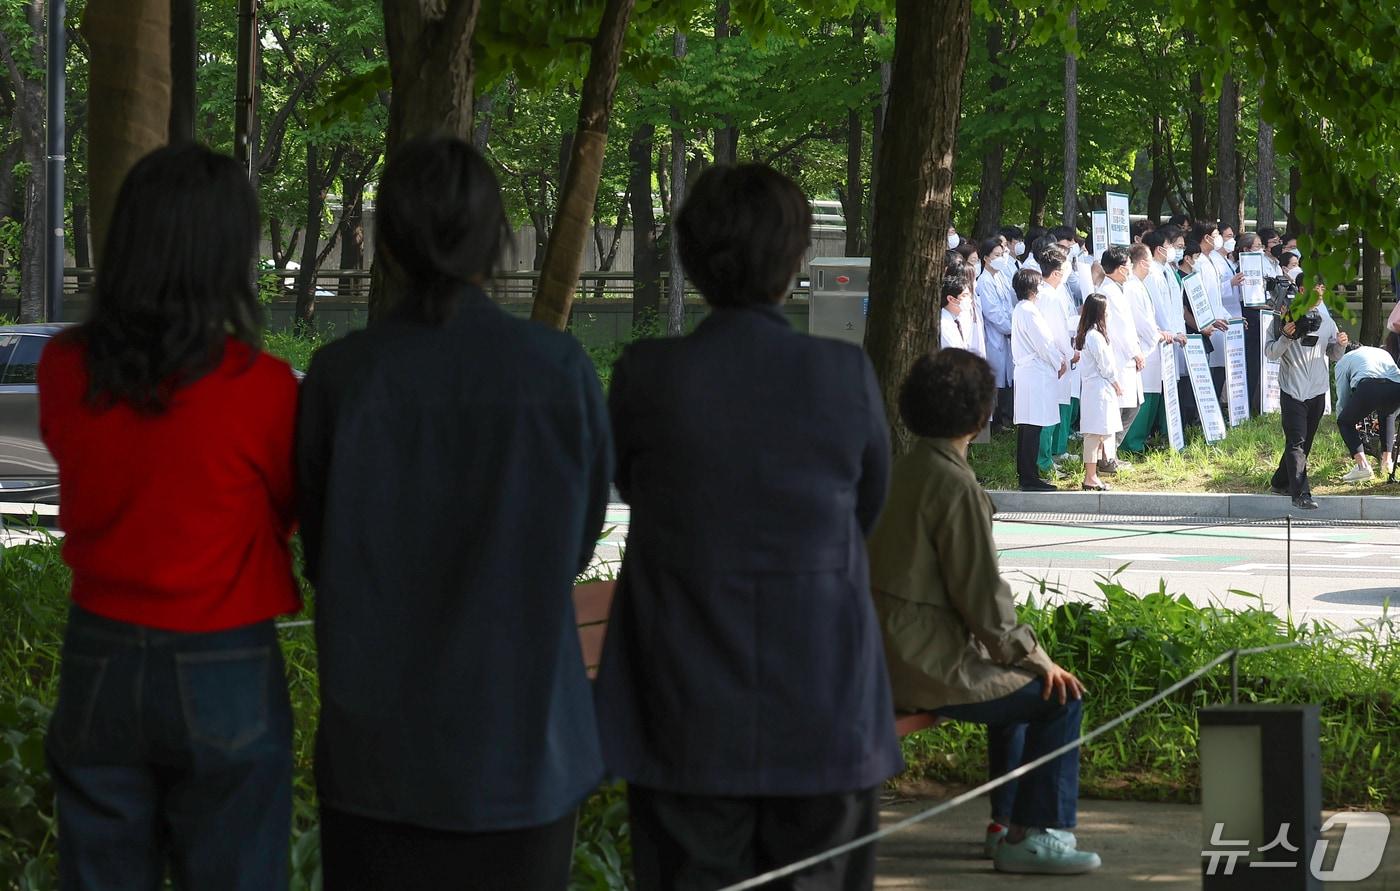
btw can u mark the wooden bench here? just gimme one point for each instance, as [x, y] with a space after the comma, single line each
[593, 600]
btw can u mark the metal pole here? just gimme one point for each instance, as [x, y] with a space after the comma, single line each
[247, 74]
[55, 157]
[1289, 568]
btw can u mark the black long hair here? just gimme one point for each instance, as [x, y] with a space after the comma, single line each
[439, 220]
[1094, 314]
[175, 279]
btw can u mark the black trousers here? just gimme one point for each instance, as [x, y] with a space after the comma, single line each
[1186, 397]
[1300, 420]
[362, 854]
[701, 843]
[1027, 454]
[1251, 357]
[1217, 376]
[1002, 415]
[1373, 394]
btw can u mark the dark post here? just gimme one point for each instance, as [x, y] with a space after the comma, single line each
[243, 148]
[182, 70]
[57, 86]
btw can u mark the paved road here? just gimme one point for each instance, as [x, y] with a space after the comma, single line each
[1341, 573]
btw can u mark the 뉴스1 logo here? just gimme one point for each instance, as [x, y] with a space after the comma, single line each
[1358, 853]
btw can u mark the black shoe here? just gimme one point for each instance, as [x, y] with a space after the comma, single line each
[1305, 502]
[1275, 490]
[1039, 486]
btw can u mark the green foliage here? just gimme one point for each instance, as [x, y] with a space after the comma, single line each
[1125, 647]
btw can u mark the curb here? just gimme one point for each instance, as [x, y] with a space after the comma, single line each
[1195, 504]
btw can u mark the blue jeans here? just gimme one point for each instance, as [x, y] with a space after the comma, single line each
[171, 749]
[1021, 727]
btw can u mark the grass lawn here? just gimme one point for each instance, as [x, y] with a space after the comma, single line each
[1243, 462]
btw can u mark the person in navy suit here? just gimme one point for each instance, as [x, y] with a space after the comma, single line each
[742, 691]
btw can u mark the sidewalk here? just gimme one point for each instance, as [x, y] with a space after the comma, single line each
[1148, 845]
[1195, 504]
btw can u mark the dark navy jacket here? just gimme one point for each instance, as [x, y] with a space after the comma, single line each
[454, 482]
[743, 656]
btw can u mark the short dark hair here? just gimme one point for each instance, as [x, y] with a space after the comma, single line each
[1114, 258]
[742, 233]
[1155, 239]
[953, 285]
[440, 219]
[986, 246]
[1266, 233]
[1035, 233]
[1192, 248]
[1179, 220]
[1140, 228]
[1140, 252]
[176, 278]
[1040, 244]
[947, 394]
[1064, 233]
[1025, 283]
[1052, 259]
[1010, 233]
[1171, 232]
[966, 249]
[1201, 230]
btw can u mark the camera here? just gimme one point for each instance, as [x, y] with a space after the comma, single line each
[1285, 299]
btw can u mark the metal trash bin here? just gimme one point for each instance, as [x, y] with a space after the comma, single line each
[840, 297]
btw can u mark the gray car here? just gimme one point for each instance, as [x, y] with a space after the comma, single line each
[27, 470]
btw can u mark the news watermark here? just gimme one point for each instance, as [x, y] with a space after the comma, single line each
[1357, 854]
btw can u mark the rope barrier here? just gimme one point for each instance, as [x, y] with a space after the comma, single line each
[1231, 656]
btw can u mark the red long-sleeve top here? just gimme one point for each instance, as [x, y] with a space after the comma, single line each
[179, 520]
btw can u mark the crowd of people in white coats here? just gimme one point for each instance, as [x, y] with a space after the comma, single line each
[1074, 339]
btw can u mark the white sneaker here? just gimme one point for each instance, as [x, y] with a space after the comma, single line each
[1045, 854]
[1357, 474]
[996, 832]
[1385, 469]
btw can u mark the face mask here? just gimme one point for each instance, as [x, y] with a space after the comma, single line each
[1229, 245]
[978, 267]
[1018, 248]
[1174, 255]
[1297, 273]
[953, 241]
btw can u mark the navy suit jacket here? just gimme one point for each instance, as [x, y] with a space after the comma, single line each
[743, 656]
[453, 482]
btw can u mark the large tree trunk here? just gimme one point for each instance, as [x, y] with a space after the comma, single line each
[991, 191]
[1038, 189]
[1372, 312]
[1072, 128]
[352, 223]
[675, 296]
[853, 194]
[432, 72]
[646, 264]
[911, 222]
[1157, 191]
[1227, 154]
[318, 183]
[564, 256]
[128, 96]
[1264, 184]
[877, 124]
[1200, 152]
[726, 136]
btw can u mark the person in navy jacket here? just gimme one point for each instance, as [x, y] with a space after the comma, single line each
[742, 691]
[453, 463]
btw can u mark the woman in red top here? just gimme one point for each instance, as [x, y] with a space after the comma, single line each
[171, 740]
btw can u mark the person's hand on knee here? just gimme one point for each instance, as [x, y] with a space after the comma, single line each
[1061, 684]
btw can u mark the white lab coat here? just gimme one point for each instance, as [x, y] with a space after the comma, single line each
[1148, 334]
[1058, 310]
[1098, 404]
[1230, 295]
[997, 300]
[1036, 353]
[1123, 336]
[952, 332]
[974, 325]
[1167, 299]
[1210, 278]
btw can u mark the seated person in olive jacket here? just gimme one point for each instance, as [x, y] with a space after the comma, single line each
[742, 690]
[952, 640]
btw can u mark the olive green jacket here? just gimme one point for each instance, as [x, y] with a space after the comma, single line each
[949, 623]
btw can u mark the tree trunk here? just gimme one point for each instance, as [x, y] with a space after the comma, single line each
[877, 124]
[646, 265]
[726, 136]
[482, 113]
[1072, 128]
[82, 247]
[1157, 191]
[1372, 312]
[991, 190]
[318, 183]
[1231, 201]
[1200, 153]
[675, 297]
[432, 71]
[183, 70]
[128, 96]
[24, 70]
[352, 223]
[564, 257]
[1264, 184]
[1038, 192]
[852, 196]
[911, 222]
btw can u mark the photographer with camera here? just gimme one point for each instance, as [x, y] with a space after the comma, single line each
[1367, 381]
[1301, 340]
